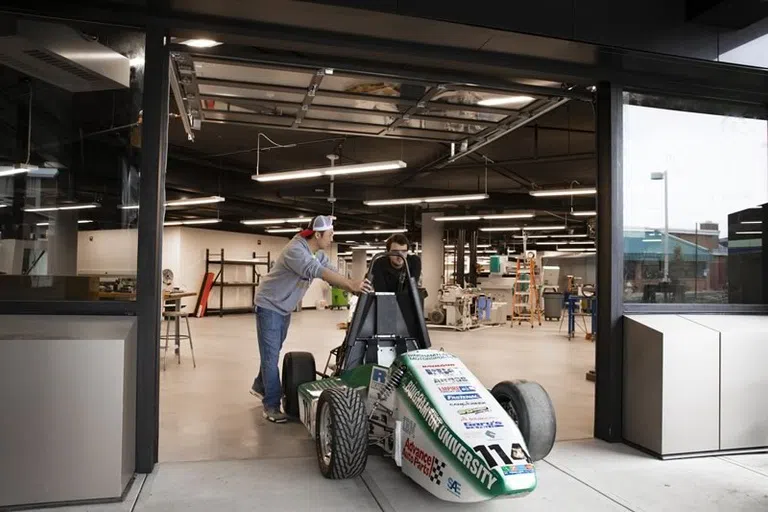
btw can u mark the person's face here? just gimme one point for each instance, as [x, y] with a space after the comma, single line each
[396, 261]
[325, 239]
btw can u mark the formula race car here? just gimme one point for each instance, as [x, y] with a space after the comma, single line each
[387, 388]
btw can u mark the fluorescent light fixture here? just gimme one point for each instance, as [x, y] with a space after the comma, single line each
[128, 206]
[564, 192]
[63, 207]
[433, 199]
[193, 222]
[11, 171]
[201, 43]
[573, 242]
[651, 240]
[3, 205]
[583, 235]
[283, 230]
[584, 214]
[371, 231]
[201, 200]
[585, 249]
[505, 228]
[369, 248]
[501, 216]
[749, 232]
[505, 100]
[479, 246]
[551, 267]
[543, 228]
[266, 222]
[751, 222]
[338, 170]
[529, 237]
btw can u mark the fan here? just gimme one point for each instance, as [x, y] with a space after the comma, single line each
[167, 277]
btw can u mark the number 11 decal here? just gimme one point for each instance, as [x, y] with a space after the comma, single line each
[489, 457]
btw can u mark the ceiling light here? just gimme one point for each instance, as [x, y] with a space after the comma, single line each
[501, 216]
[11, 171]
[3, 205]
[584, 214]
[201, 43]
[338, 170]
[368, 248]
[62, 208]
[563, 192]
[284, 230]
[749, 232]
[432, 199]
[542, 228]
[651, 240]
[201, 200]
[128, 206]
[265, 222]
[505, 100]
[529, 237]
[566, 236]
[192, 222]
[371, 232]
[585, 249]
[508, 228]
[347, 232]
[751, 222]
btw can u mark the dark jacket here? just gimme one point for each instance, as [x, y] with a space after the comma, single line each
[386, 278]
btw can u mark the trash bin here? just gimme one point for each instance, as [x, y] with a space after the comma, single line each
[553, 305]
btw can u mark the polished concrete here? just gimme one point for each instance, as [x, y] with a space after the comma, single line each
[589, 476]
[206, 413]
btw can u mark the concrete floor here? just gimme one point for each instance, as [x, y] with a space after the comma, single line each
[589, 476]
[206, 413]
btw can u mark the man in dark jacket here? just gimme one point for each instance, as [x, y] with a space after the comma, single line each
[389, 273]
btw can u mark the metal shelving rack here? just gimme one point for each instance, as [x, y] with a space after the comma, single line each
[218, 258]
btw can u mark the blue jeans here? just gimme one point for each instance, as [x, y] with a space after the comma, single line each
[271, 329]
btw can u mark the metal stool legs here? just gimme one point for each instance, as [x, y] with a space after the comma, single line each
[171, 317]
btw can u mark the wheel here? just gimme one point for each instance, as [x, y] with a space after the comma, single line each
[529, 405]
[298, 368]
[342, 433]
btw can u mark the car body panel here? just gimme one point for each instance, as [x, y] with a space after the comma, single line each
[440, 425]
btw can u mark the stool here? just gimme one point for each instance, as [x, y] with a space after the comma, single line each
[171, 317]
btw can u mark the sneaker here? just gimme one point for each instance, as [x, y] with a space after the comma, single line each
[275, 415]
[257, 391]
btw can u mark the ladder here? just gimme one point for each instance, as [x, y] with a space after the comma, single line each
[526, 306]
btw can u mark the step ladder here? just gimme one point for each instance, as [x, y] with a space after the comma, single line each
[526, 306]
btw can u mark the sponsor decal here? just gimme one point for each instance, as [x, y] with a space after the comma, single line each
[489, 434]
[468, 458]
[454, 486]
[460, 397]
[471, 411]
[457, 389]
[420, 459]
[440, 371]
[409, 426]
[469, 403]
[475, 425]
[443, 365]
[437, 471]
[518, 453]
[430, 356]
[517, 470]
[379, 375]
[450, 380]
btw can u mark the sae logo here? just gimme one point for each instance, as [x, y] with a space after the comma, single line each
[454, 486]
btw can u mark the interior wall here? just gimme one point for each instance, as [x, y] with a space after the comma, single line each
[584, 267]
[113, 252]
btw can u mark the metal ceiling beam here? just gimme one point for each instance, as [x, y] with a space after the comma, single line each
[483, 139]
[309, 96]
[525, 161]
[179, 97]
[413, 109]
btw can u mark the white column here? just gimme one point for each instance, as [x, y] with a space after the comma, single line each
[62, 244]
[432, 258]
[359, 266]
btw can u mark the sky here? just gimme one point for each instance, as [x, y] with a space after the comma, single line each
[715, 165]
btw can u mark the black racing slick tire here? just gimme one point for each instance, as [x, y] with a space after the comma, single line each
[298, 369]
[341, 438]
[529, 405]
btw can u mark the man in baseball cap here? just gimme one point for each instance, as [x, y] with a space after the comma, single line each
[302, 260]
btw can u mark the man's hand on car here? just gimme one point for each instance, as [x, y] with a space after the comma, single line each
[363, 286]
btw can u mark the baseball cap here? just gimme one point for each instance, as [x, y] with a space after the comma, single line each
[318, 225]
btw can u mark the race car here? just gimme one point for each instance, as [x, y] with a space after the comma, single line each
[386, 387]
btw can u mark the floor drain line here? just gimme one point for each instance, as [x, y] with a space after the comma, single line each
[377, 494]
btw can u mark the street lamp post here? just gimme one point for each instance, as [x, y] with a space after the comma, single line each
[663, 176]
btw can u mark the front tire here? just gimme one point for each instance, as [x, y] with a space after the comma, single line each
[298, 369]
[342, 433]
[529, 405]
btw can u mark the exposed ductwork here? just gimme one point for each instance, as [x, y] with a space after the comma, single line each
[63, 56]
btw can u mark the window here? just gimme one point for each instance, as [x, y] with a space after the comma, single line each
[70, 101]
[695, 187]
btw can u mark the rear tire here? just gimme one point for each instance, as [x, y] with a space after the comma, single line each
[529, 405]
[298, 369]
[342, 433]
